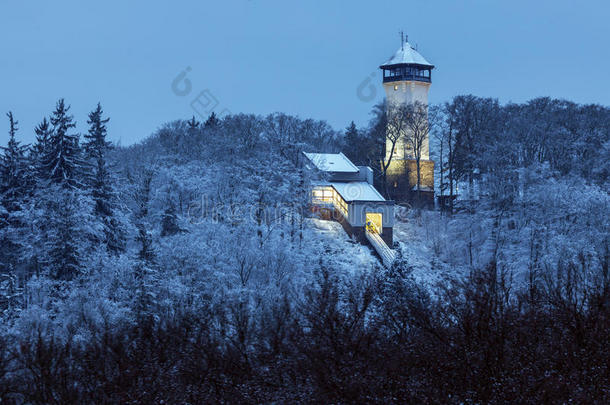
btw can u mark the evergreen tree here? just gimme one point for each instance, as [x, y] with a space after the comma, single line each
[145, 273]
[43, 134]
[351, 134]
[13, 169]
[169, 221]
[100, 180]
[212, 121]
[95, 143]
[43, 131]
[352, 143]
[63, 242]
[62, 161]
[64, 228]
[14, 192]
[193, 124]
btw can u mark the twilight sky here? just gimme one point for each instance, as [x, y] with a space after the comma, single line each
[307, 58]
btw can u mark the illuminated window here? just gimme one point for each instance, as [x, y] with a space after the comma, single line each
[395, 87]
[327, 195]
[340, 204]
[322, 195]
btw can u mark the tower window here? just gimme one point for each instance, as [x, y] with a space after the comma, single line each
[395, 87]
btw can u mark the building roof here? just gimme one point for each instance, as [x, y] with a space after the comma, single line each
[357, 191]
[332, 162]
[406, 54]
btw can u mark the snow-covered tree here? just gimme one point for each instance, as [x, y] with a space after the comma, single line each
[212, 121]
[64, 228]
[62, 162]
[38, 150]
[101, 182]
[15, 191]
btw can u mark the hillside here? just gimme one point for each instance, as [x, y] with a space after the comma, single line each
[188, 268]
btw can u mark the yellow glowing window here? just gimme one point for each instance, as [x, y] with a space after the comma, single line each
[395, 87]
[322, 195]
[328, 195]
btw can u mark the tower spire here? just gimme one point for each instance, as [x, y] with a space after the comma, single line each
[402, 40]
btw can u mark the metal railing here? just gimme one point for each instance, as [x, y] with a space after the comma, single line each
[387, 255]
[418, 78]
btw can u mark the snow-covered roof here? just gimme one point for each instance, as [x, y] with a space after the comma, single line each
[357, 191]
[332, 162]
[407, 54]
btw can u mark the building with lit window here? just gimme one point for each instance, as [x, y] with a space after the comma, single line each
[345, 193]
[407, 78]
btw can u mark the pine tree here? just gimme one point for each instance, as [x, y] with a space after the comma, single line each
[354, 149]
[145, 270]
[65, 227]
[62, 160]
[212, 121]
[193, 124]
[13, 169]
[14, 193]
[169, 221]
[96, 145]
[100, 181]
[43, 134]
[351, 134]
[145, 275]
[63, 243]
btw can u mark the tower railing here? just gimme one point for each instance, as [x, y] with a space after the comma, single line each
[387, 79]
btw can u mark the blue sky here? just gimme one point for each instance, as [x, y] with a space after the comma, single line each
[300, 57]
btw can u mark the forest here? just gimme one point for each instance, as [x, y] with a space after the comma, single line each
[187, 268]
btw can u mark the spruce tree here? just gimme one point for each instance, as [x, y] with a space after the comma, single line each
[100, 181]
[13, 169]
[62, 160]
[63, 246]
[14, 194]
[169, 220]
[351, 134]
[145, 273]
[193, 124]
[353, 146]
[43, 131]
[43, 134]
[212, 121]
[65, 227]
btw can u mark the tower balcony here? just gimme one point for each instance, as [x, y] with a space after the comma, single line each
[411, 77]
[401, 72]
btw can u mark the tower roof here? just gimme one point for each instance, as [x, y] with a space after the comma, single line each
[407, 55]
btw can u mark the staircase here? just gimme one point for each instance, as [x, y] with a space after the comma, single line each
[387, 255]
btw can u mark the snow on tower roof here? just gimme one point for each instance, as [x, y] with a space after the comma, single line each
[332, 162]
[408, 55]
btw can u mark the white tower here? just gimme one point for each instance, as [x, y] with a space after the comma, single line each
[407, 77]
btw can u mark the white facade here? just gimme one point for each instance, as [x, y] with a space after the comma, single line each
[358, 210]
[408, 82]
[403, 93]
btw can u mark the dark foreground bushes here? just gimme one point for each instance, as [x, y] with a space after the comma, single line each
[380, 339]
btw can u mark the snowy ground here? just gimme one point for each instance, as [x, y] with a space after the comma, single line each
[416, 250]
[412, 242]
[359, 256]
